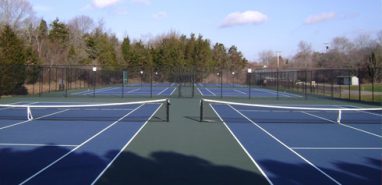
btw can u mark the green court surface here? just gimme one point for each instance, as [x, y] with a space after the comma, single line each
[183, 151]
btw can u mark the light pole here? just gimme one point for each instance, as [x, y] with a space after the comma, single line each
[249, 82]
[156, 77]
[95, 80]
[326, 47]
[141, 72]
[233, 78]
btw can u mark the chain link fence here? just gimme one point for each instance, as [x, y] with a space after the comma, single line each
[87, 81]
[349, 84]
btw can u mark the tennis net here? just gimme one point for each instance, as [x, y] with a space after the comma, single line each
[153, 110]
[235, 112]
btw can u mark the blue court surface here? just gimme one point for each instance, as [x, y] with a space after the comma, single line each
[46, 150]
[313, 148]
[132, 90]
[243, 92]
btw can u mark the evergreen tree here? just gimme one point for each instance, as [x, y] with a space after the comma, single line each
[219, 57]
[12, 61]
[125, 49]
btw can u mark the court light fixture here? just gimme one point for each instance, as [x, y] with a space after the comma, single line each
[94, 69]
[249, 70]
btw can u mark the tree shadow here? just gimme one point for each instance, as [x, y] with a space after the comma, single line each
[129, 168]
[174, 168]
[164, 168]
[18, 165]
[345, 173]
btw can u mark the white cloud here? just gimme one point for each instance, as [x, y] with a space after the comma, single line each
[160, 15]
[144, 2]
[314, 19]
[104, 3]
[241, 18]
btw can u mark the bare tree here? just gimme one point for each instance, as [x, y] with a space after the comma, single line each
[303, 58]
[78, 27]
[83, 24]
[379, 38]
[268, 58]
[16, 13]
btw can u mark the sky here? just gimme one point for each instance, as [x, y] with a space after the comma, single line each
[251, 25]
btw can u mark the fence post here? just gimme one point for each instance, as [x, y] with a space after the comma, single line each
[350, 83]
[151, 83]
[332, 85]
[49, 78]
[193, 82]
[372, 88]
[221, 84]
[123, 85]
[359, 84]
[277, 83]
[66, 81]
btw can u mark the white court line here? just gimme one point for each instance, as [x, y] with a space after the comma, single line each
[1, 128]
[124, 147]
[133, 90]
[242, 146]
[337, 148]
[33, 144]
[259, 110]
[96, 91]
[210, 91]
[286, 146]
[200, 91]
[172, 92]
[74, 149]
[241, 92]
[280, 93]
[162, 91]
[364, 131]
[111, 109]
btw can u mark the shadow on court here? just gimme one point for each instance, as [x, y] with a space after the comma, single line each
[174, 168]
[345, 173]
[161, 168]
[18, 165]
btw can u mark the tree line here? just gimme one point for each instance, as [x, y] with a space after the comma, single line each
[364, 52]
[28, 40]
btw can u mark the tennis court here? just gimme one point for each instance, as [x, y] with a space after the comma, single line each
[312, 144]
[131, 90]
[121, 143]
[244, 92]
[68, 142]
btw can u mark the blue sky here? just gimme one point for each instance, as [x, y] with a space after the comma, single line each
[252, 25]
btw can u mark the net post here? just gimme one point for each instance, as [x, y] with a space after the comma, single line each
[167, 110]
[29, 114]
[201, 110]
[339, 116]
